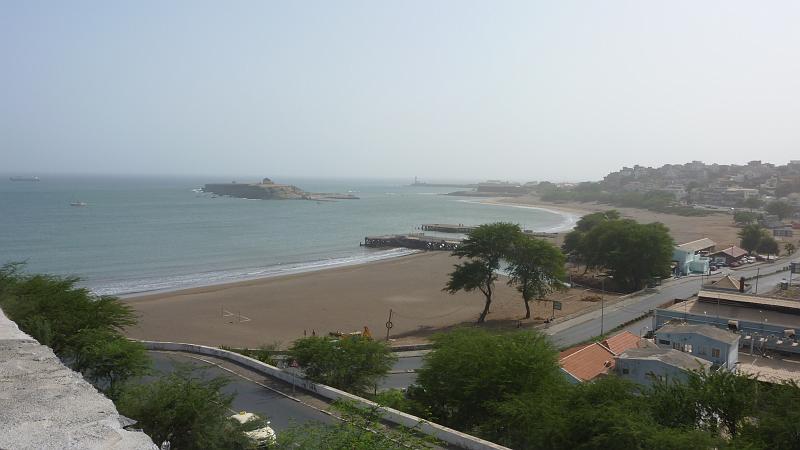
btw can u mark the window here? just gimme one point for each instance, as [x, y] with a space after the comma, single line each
[701, 350]
[715, 353]
[663, 341]
[687, 348]
[677, 346]
[625, 371]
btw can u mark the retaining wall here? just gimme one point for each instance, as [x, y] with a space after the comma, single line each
[442, 433]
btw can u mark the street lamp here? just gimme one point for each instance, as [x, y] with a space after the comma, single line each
[602, 303]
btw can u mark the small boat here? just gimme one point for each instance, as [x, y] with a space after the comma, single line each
[79, 204]
[24, 178]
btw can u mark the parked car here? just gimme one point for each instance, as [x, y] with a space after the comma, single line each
[256, 428]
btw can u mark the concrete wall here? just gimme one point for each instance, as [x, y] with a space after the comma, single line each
[444, 434]
[45, 405]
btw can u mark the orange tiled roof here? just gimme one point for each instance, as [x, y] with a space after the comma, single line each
[621, 342]
[588, 362]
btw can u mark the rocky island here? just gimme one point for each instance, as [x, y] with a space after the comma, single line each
[269, 190]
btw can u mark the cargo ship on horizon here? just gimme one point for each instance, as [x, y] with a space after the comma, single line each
[24, 178]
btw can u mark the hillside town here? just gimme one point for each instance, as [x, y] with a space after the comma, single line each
[726, 185]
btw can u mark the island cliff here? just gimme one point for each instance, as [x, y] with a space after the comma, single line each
[268, 190]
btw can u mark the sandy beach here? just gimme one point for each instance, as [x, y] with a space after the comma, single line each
[284, 308]
[341, 299]
[719, 227]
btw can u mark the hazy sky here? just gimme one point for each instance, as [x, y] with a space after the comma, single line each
[525, 90]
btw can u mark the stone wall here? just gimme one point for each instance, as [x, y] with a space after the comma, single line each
[45, 405]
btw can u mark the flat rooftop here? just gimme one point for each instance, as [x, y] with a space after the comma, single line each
[751, 301]
[736, 312]
[771, 370]
[666, 355]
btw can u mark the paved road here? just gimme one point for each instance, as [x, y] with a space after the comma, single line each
[251, 396]
[586, 326]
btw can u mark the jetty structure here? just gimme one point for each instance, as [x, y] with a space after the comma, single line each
[420, 241]
[269, 190]
[466, 229]
[412, 241]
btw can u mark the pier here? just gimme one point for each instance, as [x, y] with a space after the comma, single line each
[413, 241]
[466, 229]
[447, 228]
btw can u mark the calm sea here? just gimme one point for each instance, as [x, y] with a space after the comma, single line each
[147, 234]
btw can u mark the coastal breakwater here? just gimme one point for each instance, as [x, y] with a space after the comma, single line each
[268, 190]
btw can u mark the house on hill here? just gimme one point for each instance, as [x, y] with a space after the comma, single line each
[587, 362]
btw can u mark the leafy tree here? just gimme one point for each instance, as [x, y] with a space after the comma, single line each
[536, 268]
[485, 247]
[574, 242]
[184, 409]
[789, 248]
[718, 400]
[83, 329]
[470, 370]
[768, 245]
[107, 359]
[354, 364]
[752, 203]
[360, 429]
[631, 252]
[545, 186]
[53, 309]
[749, 237]
[743, 218]
[777, 423]
[780, 208]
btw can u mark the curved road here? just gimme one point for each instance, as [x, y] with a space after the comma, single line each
[253, 392]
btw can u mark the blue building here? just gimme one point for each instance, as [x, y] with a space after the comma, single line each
[716, 345]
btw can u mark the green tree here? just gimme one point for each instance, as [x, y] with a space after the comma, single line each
[107, 359]
[184, 409]
[360, 429]
[780, 208]
[470, 370]
[749, 237]
[715, 401]
[574, 241]
[752, 203]
[789, 248]
[53, 309]
[354, 364]
[777, 423]
[768, 245]
[485, 246]
[632, 253]
[743, 218]
[536, 268]
[83, 329]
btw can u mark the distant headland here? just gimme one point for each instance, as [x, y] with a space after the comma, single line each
[269, 190]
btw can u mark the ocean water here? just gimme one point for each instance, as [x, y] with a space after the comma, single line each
[148, 234]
